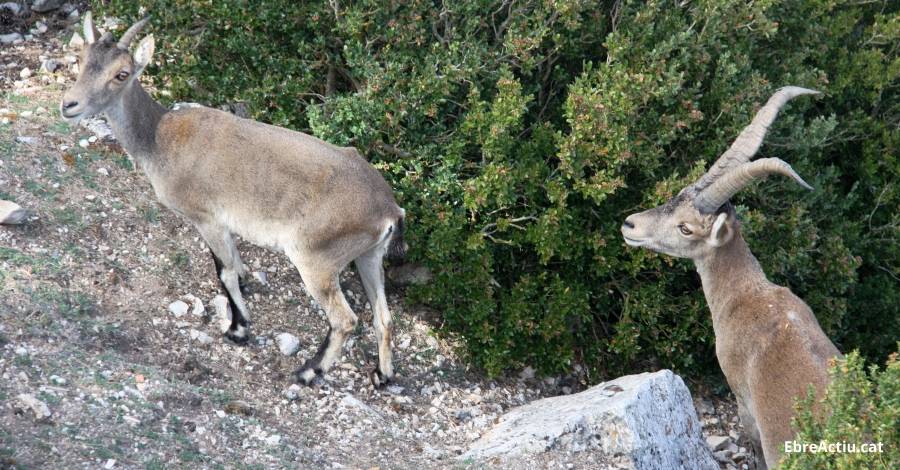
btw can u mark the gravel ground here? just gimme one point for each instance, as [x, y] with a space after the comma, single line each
[102, 367]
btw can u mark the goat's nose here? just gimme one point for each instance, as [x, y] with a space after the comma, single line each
[628, 224]
[69, 104]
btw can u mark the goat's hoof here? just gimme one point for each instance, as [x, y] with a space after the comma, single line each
[308, 375]
[378, 379]
[237, 340]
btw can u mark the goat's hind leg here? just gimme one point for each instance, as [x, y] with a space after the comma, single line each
[371, 271]
[323, 285]
[229, 270]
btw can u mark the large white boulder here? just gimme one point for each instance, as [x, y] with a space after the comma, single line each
[644, 421]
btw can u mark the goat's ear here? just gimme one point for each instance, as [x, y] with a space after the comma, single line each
[721, 231]
[143, 53]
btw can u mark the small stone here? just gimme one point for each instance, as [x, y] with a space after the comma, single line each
[238, 407]
[178, 308]
[27, 140]
[261, 277]
[57, 380]
[288, 344]
[11, 7]
[717, 443]
[110, 464]
[43, 6]
[40, 409]
[83, 143]
[705, 407]
[51, 65]
[10, 38]
[723, 456]
[200, 337]
[409, 274]
[21, 351]
[197, 308]
[105, 172]
[292, 392]
[25, 73]
[273, 440]
[223, 312]
[11, 213]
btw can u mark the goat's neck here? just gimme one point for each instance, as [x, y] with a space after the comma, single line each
[728, 271]
[134, 119]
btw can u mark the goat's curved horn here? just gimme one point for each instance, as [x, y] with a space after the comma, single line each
[749, 140]
[90, 31]
[129, 35]
[721, 190]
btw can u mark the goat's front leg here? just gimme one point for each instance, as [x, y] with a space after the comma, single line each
[230, 271]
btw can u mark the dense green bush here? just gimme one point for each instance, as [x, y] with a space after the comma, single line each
[518, 135]
[857, 409]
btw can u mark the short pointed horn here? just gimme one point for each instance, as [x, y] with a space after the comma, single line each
[721, 190]
[749, 140]
[128, 37]
[90, 31]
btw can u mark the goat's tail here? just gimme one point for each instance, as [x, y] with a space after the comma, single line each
[397, 246]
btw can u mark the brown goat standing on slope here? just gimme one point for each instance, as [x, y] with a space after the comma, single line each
[322, 205]
[768, 342]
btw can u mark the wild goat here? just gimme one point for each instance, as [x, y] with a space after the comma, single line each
[323, 205]
[768, 342]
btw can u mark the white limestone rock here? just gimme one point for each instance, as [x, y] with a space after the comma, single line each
[178, 308]
[288, 344]
[643, 421]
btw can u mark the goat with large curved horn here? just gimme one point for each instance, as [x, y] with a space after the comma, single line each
[769, 344]
[749, 140]
[132, 32]
[721, 190]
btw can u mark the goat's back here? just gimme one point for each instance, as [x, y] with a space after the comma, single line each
[221, 166]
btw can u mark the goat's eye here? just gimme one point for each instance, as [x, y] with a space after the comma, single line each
[121, 76]
[684, 230]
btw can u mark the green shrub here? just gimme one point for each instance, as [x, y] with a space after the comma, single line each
[518, 136]
[858, 408]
